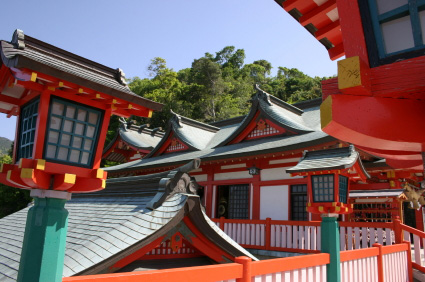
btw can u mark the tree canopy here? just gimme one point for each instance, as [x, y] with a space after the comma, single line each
[219, 86]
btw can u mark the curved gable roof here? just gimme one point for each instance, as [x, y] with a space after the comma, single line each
[281, 113]
[108, 225]
[194, 134]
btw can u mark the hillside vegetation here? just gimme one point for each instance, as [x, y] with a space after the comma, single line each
[5, 146]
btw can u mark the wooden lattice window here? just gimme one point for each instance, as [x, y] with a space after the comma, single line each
[398, 25]
[72, 132]
[343, 187]
[262, 129]
[323, 188]
[27, 127]
[299, 202]
[233, 201]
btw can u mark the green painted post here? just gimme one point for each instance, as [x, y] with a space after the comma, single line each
[330, 245]
[43, 249]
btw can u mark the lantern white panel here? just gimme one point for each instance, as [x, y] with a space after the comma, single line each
[274, 202]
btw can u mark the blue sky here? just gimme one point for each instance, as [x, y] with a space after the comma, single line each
[128, 34]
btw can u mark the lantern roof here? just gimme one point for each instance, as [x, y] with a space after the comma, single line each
[383, 193]
[330, 159]
[128, 215]
[33, 60]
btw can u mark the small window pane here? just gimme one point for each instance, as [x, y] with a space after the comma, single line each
[81, 115]
[388, 5]
[79, 128]
[63, 153]
[85, 158]
[55, 123]
[65, 139]
[53, 137]
[422, 19]
[57, 108]
[67, 126]
[398, 35]
[75, 156]
[76, 143]
[87, 144]
[51, 151]
[93, 118]
[70, 111]
[90, 131]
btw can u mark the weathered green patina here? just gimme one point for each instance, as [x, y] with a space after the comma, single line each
[44, 242]
[330, 245]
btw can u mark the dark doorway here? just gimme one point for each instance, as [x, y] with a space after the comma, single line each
[233, 201]
[409, 215]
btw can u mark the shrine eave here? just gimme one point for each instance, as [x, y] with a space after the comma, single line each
[35, 65]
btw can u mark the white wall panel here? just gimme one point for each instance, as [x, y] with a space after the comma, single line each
[200, 177]
[232, 175]
[274, 202]
[276, 174]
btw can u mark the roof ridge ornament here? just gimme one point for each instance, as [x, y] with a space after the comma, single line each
[18, 39]
[120, 77]
[177, 181]
[263, 95]
[176, 118]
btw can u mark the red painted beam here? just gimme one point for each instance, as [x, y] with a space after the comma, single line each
[318, 13]
[385, 124]
[389, 154]
[328, 31]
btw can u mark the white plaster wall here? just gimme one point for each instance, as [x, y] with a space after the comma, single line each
[233, 166]
[276, 174]
[274, 202]
[232, 175]
[200, 177]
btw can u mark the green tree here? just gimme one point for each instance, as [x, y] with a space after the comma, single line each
[12, 199]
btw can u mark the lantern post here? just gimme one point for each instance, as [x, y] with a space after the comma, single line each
[328, 175]
[63, 103]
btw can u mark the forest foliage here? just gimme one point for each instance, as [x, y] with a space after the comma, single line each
[216, 87]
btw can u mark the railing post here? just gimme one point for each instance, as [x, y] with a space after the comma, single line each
[246, 272]
[398, 232]
[380, 263]
[330, 244]
[409, 260]
[268, 233]
[222, 223]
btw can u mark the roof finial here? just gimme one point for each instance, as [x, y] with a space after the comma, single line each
[18, 39]
[120, 76]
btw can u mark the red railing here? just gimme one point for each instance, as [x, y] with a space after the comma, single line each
[307, 269]
[303, 236]
[418, 239]
[276, 235]
[378, 263]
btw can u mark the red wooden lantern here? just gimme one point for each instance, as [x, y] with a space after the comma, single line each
[63, 103]
[329, 173]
